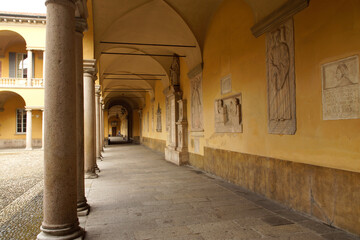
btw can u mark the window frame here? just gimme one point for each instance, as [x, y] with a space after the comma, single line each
[23, 121]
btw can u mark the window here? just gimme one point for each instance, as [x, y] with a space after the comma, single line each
[21, 65]
[20, 121]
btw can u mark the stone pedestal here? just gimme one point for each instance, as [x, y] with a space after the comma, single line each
[176, 149]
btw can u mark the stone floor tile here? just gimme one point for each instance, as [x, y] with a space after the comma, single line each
[339, 236]
[281, 231]
[318, 227]
[276, 221]
[162, 233]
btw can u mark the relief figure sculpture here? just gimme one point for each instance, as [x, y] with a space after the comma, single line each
[235, 113]
[175, 71]
[342, 75]
[221, 112]
[279, 66]
[196, 104]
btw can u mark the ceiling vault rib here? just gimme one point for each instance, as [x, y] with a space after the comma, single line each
[141, 54]
[133, 79]
[135, 74]
[150, 44]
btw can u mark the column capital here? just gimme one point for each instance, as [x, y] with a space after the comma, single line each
[97, 90]
[80, 25]
[68, 3]
[90, 67]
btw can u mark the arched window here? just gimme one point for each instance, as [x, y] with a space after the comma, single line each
[21, 65]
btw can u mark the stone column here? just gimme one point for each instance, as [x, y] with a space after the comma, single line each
[60, 176]
[97, 120]
[29, 67]
[43, 129]
[89, 118]
[44, 55]
[102, 125]
[82, 207]
[28, 129]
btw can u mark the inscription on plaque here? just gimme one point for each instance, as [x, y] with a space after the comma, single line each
[226, 84]
[341, 89]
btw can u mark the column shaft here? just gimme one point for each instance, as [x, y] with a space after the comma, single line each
[97, 128]
[60, 176]
[89, 120]
[28, 129]
[82, 206]
[43, 130]
[29, 68]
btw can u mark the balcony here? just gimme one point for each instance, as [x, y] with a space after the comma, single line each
[21, 83]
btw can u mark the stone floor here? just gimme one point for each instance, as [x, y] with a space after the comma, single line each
[140, 196]
[21, 185]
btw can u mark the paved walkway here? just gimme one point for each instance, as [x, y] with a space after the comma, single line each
[140, 196]
[21, 188]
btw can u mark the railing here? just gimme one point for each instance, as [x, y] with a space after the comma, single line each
[21, 83]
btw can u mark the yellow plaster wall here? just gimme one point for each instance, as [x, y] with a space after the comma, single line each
[135, 126]
[8, 118]
[20, 48]
[325, 31]
[88, 41]
[38, 64]
[159, 99]
[34, 34]
[106, 123]
[32, 97]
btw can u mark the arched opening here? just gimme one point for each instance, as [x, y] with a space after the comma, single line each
[119, 122]
[12, 120]
[14, 53]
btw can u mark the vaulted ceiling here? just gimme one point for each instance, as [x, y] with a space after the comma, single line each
[131, 34]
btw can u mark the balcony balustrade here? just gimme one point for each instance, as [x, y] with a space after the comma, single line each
[21, 83]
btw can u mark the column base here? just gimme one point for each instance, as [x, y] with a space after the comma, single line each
[97, 169]
[176, 157]
[83, 208]
[91, 175]
[76, 233]
[28, 148]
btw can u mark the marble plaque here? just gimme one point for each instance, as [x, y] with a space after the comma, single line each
[196, 100]
[226, 84]
[148, 121]
[228, 115]
[167, 104]
[341, 89]
[158, 119]
[152, 117]
[280, 63]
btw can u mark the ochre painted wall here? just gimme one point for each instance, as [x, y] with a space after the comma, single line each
[135, 126]
[159, 99]
[324, 32]
[8, 120]
[34, 34]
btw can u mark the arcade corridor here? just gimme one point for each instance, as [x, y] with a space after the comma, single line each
[139, 195]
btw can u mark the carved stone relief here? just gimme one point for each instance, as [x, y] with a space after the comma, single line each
[152, 117]
[182, 127]
[228, 115]
[341, 89]
[196, 100]
[175, 71]
[281, 79]
[148, 121]
[167, 104]
[158, 119]
[226, 84]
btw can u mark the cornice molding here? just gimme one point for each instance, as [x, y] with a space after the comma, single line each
[279, 16]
